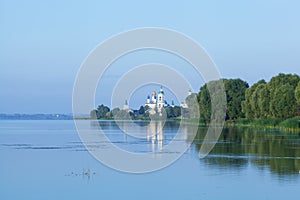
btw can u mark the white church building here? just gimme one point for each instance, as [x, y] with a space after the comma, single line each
[156, 103]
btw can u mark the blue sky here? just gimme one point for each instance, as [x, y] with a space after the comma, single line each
[43, 43]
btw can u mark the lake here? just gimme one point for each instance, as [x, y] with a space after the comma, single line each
[45, 159]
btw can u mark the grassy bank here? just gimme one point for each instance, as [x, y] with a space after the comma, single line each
[291, 124]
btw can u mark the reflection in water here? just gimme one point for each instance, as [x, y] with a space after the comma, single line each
[155, 134]
[46, 161]
[235, 149]
[139, 132]
[238, 147]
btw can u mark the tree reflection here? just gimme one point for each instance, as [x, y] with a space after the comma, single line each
[238, 146]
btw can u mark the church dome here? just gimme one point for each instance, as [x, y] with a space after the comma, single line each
[161, 90]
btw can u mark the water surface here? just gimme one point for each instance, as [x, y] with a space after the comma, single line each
[46, 160]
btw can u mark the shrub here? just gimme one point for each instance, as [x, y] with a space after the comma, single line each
[293, 123]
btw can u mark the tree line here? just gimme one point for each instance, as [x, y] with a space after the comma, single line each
[104, 112]
[278, 98]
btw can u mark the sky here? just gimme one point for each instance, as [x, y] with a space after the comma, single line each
[43, 43]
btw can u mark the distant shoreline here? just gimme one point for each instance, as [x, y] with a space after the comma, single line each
[35, 117]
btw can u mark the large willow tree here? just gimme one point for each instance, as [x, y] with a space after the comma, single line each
[235, 94]
[277, 98]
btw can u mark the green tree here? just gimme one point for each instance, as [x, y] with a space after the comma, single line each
[146, 114]
[235, 94]
[284, 102]
[282, 79]
[108, 115]
[93, 114]
[170, 112]
[250, 105]
[122, 115]
[263, 100]
[142, 110]
[204, 103]
[297, 93]
[173, 112]
[277, 85]
[177, 111]
[115, 111]
[119, 114]
[101, 111]
[273, 99]
[193, 107]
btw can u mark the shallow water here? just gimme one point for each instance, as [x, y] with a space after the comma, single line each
[46, 160]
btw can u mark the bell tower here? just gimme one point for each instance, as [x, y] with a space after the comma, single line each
[160, 99]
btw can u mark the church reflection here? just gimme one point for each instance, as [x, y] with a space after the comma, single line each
[155, 134]
[157, 137]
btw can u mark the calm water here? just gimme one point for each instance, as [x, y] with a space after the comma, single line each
[46, 160]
